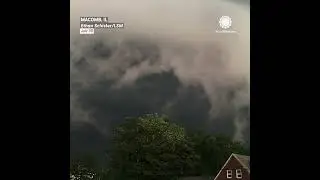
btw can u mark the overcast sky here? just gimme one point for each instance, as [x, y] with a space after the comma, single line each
[168, 59]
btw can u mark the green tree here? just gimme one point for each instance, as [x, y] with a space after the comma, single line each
[85, 167]
[80, 171]
[150, 147]
[214, 151]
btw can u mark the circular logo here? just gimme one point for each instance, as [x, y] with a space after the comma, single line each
[225, 22]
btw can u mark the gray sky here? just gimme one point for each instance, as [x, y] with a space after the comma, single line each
[168, 59]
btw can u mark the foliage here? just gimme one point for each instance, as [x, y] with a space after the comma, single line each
[150, 147]
[214, 151]
[80, 171]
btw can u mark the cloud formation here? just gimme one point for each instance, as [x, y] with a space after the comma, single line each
[168, 53]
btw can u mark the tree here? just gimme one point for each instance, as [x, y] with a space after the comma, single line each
[214, 151]
[150, 147]
[80, 171]
[85, 167]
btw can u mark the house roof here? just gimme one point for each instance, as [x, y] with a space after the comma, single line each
[244, 160]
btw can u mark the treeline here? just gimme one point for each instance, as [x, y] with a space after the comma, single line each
[151, 147]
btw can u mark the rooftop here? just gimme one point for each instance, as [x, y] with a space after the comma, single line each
[244, 160]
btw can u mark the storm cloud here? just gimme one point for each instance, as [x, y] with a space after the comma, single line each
[168, 59]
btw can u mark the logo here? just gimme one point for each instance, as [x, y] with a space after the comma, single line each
[225, 23]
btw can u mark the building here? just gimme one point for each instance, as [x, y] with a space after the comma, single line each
[236, 167]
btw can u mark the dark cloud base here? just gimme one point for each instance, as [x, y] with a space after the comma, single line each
[155, 93]
[158, 92]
